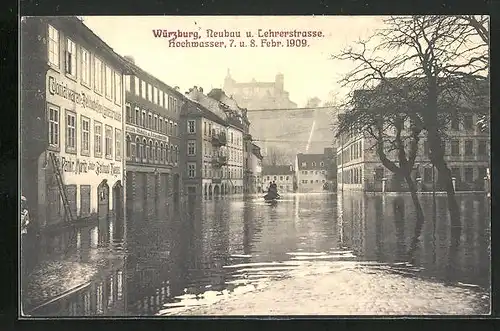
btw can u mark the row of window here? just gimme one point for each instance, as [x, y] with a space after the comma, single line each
[313, 164]
[467, 122]
[311, 172]
[232, 138]
[74, 128]
[460, 173]
[305, 181]
[280, 177]
[151, 121]
[152, 152]
[234, 155]
[468, 147]
[353, 176]
[79, 63]
[152, 93]
[229, 172]
[354, 152]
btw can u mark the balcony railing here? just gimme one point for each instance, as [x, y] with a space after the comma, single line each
[219, 161]
[219, 139]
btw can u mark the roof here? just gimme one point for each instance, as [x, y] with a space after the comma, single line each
[277, 170]
[256, 151]
[194, 109]
[139, 71]
[309, 159]
[77, 24]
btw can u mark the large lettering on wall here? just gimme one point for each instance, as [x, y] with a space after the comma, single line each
[147, 133]
[77, 166]
[61, 89]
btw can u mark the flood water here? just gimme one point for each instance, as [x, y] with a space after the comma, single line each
[164, 263]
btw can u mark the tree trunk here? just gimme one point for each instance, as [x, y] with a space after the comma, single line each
[420, 215]
[444, 174]
[437, 151]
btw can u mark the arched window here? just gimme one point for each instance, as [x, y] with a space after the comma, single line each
[167, 151]
[157, 152]
[172, 152]
[151, 151]
[144, 149]
[137, 148]
[161, 153]
[128, 147]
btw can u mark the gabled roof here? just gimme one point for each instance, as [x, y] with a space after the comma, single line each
[309, 159]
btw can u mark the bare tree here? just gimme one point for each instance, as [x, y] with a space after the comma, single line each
[275, 156]
[383, 120]
[480, 25]
[313, 102]
[436, 63]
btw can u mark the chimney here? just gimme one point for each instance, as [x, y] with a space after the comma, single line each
[129, 58]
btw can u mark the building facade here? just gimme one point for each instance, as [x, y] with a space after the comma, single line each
[214, 146]
[152, 142]
[259, 95]
[467, 154]
[312, 172]
[80, 173]
[282, 175]
[256, 169]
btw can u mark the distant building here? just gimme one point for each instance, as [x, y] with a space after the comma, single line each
[256, 169]
[467, 153]
[259, 95]
[314, 172]
[282, 175]
[213, 132]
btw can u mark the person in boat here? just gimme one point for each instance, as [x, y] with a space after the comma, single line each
[273, 191]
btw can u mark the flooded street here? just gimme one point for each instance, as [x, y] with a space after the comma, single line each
[159, 265]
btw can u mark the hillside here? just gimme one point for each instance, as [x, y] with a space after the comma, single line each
[290, 129]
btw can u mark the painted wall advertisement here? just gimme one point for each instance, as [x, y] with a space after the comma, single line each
[78, 166]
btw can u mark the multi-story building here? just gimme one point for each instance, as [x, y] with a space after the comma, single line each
[71, 121]
[256, 169]
[466, 153]
[152, 141]
[213, 135]
[282, 175]
[259, 95]
[312, 171]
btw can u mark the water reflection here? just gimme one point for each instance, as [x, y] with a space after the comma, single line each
[208, 249]
[77, 271]
[457, 254]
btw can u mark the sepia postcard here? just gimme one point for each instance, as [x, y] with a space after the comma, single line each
[254, 165]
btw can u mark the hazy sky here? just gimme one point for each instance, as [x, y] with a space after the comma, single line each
[308, 71]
